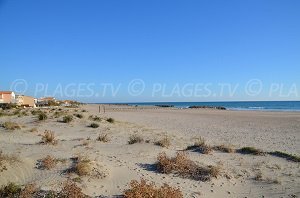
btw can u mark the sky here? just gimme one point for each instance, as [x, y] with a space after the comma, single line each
[158, 50]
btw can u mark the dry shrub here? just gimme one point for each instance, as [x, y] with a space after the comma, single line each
[85, 142]
[182, 166]
[258, 176]
[4, 158]
[224, 148]
[28, 191]
[103, 138]
[11, 125]
[200, 146]
[83, 167]
[133, 139]
[48, 162]
[71, 190]
[165, 142]
[32, 130]
[142, 189]
[49, 138]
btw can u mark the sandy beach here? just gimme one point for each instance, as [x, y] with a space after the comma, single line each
[115, 162]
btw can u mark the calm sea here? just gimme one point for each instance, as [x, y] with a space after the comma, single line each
[255, 105]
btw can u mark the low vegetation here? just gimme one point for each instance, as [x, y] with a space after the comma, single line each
[28, 191]
[36, 112]
[182, 166]
[67, 119]
[250, 151]
[7, 106]
[42, 116]
[200, 146]
[71, 190]
[49, 138]
[83, 166]
[110, 120]
[11, 126]
[133, 139]
[48, 163]
[142, 189]
[165, 142]
[224, 148]
[59, 113]
[95, 118]
[80, 116]
[103, 138]
[94, 125]
[5, 158]
[287, 156]
[32, 130]
[12, 190]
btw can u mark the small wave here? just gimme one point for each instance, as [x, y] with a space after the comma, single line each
[256, 107]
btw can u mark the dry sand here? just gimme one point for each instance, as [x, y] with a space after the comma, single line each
[116, 162]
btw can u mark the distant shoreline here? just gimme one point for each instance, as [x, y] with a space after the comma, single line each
[272, 106]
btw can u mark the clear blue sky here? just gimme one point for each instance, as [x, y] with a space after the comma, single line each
[58, 42]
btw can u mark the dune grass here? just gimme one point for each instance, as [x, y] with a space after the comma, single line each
[200, 146]
[164, 142]
[83, 166]
[182, 166]
[49, 138]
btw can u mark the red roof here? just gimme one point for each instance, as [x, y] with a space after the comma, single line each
[5, 92]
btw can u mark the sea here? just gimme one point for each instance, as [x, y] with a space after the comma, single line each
[242, 106]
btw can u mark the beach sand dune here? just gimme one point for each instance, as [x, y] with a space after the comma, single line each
[114, 163]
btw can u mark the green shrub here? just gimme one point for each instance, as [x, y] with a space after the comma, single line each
[10, 190]
[110, 120]
[36, 112]
[250, 150]
[78, 115]
[94, 125]
[42, 116]
[287, 156]
[133, 139]
[67, 118]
